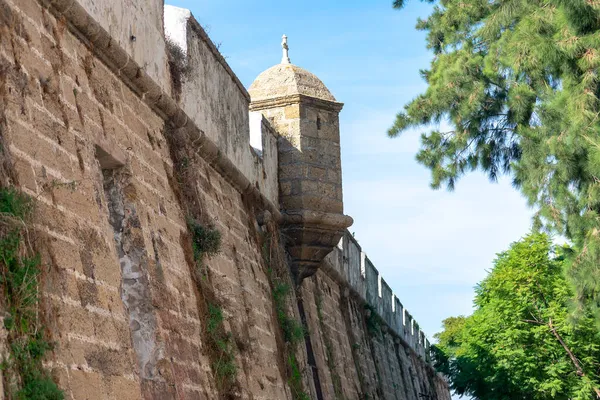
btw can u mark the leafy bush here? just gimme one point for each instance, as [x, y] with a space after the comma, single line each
[206, 240]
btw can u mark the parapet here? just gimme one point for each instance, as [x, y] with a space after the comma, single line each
[212, 96]
[351, 266]
[136, 29]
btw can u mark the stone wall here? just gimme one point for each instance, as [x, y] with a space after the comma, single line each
[351, 266]
[120, 300]
[218, 106]
[118, 154]
[366, 346]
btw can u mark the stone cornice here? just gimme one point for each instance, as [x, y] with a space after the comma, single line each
[317, 218]
[296, 99]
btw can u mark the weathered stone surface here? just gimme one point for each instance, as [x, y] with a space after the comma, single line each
[285, 80]
[93, 129]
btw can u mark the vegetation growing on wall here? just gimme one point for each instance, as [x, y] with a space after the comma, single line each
[293, 331]
[20, 269]
[373, 320]
[221, 342]
[206, 241]
[331, 364]
[177, 60]
[203, 240]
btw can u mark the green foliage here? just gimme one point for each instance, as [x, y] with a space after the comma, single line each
[15, 204]
[510, 348]
[40, 388]
[206, 240]
[373, 321]
[293, 334]
[517, 81]
[221, 343]
[295, 379]
[215, 319]
[27, 356]
[400, 3]
[292, 330]
[19, 278]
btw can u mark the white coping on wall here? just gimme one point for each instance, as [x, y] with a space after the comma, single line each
[256, 119]
[363, 267]
[175, 26]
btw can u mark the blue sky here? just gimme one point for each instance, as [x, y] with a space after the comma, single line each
[432, 247]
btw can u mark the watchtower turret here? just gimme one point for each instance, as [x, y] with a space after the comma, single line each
[306, 116]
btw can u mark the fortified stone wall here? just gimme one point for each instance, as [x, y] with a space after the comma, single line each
[352, 266]
[368, 343]
[128, 147]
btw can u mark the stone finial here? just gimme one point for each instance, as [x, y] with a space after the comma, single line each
[285, 59]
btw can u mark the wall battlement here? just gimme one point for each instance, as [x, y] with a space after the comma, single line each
[352, 266]
[136, 141]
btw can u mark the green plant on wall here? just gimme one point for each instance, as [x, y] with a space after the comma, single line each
[292, 330]
[293, 333]
[206, 241]
[177, 66]
[221, 343]
[373, 320]
[295, 379]
[20, 271]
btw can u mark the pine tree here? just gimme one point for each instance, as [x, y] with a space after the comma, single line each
[517, 80]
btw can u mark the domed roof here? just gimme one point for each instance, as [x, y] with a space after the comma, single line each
[285, 80]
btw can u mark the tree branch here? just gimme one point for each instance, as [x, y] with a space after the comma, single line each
[531, 321]
[574, 359]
